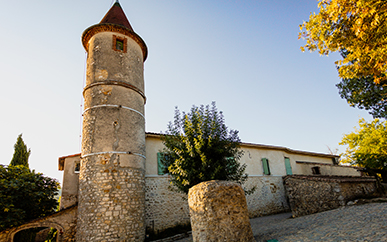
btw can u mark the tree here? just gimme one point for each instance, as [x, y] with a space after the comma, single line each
[367, 146]
[364, 93]
[25, 195]
[358, 26]
[21, 154]
[199, 147]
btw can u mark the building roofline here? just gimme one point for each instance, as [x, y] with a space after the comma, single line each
[108, 27]
[62, 159]
[271, 147]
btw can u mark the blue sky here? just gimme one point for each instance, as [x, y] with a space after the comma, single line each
[244, 55]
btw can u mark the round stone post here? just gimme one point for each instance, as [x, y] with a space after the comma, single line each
[111, 183]
[218, 212]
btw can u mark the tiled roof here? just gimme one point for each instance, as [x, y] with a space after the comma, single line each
[270, 147]
[116, 16]
[62, 159]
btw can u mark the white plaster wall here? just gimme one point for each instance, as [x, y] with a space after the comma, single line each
[306, 169]
[252, 156]
[70, 183]
[343, 171]
[152, 147]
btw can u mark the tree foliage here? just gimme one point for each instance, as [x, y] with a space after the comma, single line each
[367, 146]
[21, 153]
[364, 93]
[358, 26]
[25, 195]
[199, 147]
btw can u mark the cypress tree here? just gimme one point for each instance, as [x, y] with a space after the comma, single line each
[21, 154]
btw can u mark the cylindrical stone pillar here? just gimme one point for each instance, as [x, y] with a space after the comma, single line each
[218, 212]
[111, 183]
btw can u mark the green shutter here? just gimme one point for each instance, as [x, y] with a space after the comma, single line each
[288, 166]
[160, 166]
[266, 169]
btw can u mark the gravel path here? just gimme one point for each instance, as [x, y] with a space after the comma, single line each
[366, 222]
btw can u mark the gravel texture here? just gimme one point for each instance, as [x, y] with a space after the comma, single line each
[367, 222]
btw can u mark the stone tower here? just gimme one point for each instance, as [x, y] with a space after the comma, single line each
[111, 182]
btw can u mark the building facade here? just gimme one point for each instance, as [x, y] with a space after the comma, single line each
[116, 187]
[117, 181]
[266, 167]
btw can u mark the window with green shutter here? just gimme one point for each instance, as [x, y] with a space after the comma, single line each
[288, 166]
[266, 168]
[161, 169]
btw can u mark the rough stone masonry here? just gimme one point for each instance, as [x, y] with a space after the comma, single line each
[111, 182]
[219, 212]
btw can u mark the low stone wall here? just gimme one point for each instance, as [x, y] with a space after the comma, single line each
[313, 194]
[165, 209]
[64, 221]
[268, 198]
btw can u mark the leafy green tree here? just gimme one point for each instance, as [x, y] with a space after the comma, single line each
[21, 154]
[25, 195]
[367, 146]
[364, 93]
[199, 147]
[358, 26]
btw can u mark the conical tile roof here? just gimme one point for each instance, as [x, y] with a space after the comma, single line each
[116, 15]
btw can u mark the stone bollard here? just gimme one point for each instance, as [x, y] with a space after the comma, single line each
[218, 211]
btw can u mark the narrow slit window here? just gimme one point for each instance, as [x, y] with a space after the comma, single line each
[119, 44]
[77, 167]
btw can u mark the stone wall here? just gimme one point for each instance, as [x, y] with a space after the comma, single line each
[268, 198]
[64, 221]
[163, 207]
[313, 194]
[70, 185]
[112, 205]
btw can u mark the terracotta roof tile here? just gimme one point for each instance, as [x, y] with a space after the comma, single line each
[116, 15]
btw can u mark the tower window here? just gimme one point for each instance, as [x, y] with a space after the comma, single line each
[119, 44]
